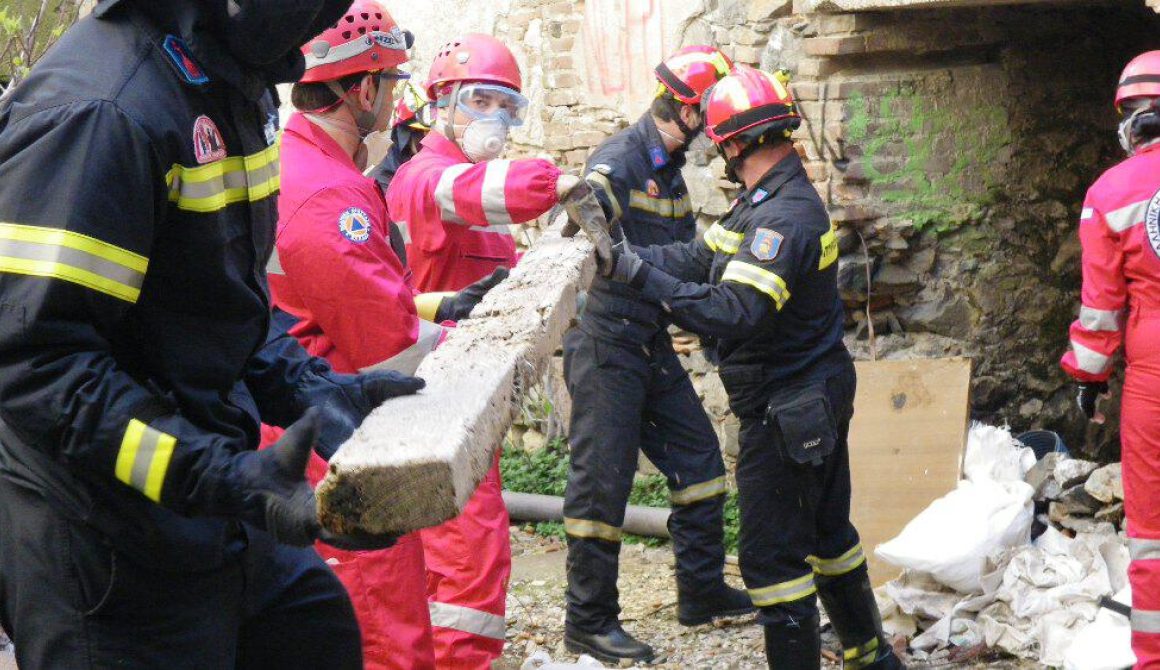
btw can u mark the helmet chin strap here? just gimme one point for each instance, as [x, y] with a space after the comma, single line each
[449, 122]
[364, 121]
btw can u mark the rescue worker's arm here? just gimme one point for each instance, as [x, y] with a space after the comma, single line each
[352, 283]
[686, 261]
[1097, 333]
[453, 306]
[276, 371]
[492, 193]
[611, 192]
[756, 284]
[81, 191]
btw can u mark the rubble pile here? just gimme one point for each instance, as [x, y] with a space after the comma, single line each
[1030, 585]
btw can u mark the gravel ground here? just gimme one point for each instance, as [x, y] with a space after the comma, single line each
[535, 612]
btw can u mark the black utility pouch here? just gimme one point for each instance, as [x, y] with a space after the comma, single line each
[806, 424]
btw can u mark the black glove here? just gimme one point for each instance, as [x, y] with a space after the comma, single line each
[459, 306]
[1086, 395]
[347, 399]
[276, 497]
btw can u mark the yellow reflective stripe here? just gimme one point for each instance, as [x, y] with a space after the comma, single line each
[829, 249]
[860, 656]
[586, 528]
[832, 567]
[601, 180]
[794, 589]
[668, 207]
[759, 278]
[719, 239]
[144, 458]
[210, 187]
[698, 492]
[62, 254]
[427, 304]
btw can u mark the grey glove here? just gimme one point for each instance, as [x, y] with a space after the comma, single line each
[585, 213]
[625, 266]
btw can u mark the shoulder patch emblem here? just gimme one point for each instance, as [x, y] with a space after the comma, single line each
[603, 168]
[1152, 224]
[190, 72]
[658, 156]
[654, 191]
[766, 243]
[759, 195]
[355, 225]
[208, 144]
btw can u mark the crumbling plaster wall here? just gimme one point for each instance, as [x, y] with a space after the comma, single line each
[955, 143]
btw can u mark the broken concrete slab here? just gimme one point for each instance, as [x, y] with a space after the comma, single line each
[1041, 474]
[1077, 501]
[1106, 484]
[1113, 514]
[1072, 471]
[416, 460]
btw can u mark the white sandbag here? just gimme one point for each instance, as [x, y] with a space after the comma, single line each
[994, 454]
[952, 538]
[1104, 645]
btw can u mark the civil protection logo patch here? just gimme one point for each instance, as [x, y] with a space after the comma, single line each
[1152, 224]
[766, 244]
[355, 225]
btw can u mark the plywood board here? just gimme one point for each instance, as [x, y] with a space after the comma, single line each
[906, 444]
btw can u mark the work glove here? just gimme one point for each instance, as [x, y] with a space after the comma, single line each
[345, 400]
[1086, 396]
[276, 497]
[585, 213]
[459, 306]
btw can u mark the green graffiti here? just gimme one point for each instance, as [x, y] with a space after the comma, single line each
[935, 165]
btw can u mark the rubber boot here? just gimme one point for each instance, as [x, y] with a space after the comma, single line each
[695, 608]
[853, 611]
[611, 646]
[794, 646]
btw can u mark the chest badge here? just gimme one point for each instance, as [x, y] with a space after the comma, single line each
[208, 145]
[1152, 224]
[355, 225]
[654, 191]
[766, 244]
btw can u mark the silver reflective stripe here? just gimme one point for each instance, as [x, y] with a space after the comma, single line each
[445, 191]
[1088, 360]
[493, 197]
[476, 622]
[1099, 319]
[1143, 550]
[1126, 217]
[496, 229]
[274, 265]
[789, 591]
[832, 567]
[1145, 621]
[1087, 213]
[48, 253]
[408, 360]
[354, 47]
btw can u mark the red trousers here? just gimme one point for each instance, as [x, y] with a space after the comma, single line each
[1140, 440]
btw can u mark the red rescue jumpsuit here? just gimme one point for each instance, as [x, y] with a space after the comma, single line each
[458, 215]
[1120, 232]
[335, 271]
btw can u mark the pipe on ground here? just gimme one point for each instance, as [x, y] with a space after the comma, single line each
[638, 520]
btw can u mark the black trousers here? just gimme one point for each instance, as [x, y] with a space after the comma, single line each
[626, 399]
[69, 600]
[796, 532]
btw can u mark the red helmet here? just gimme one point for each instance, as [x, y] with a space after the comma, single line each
[691, 71]
[473, 57]
[749, 99]
[411, 107]
[1141, 79]
[366, 39]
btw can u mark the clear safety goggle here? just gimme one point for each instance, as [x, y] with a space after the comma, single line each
[489, 101]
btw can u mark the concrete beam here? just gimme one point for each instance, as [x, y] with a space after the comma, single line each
[415, 461]
[839, 6]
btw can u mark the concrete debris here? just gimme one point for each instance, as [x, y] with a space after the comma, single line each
[1072, 471]
[1041, 475]
[1105, 484]
[1076, 500]
[541, 660]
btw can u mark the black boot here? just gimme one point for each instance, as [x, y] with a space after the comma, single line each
[849, 602]
[611, 645]
[794, 646]
[700, 607]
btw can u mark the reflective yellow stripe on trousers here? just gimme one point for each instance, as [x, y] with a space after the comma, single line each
[63, 254]
[588, 529]
[785, 592]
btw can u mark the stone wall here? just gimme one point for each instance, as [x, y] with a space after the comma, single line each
[952, 145]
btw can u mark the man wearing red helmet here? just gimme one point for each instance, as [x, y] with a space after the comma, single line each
[621, 350]
[761, 290]
[457, 200]
[1120, 304]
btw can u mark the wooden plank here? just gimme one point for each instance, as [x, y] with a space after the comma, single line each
[906, 444]
[415, 461]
